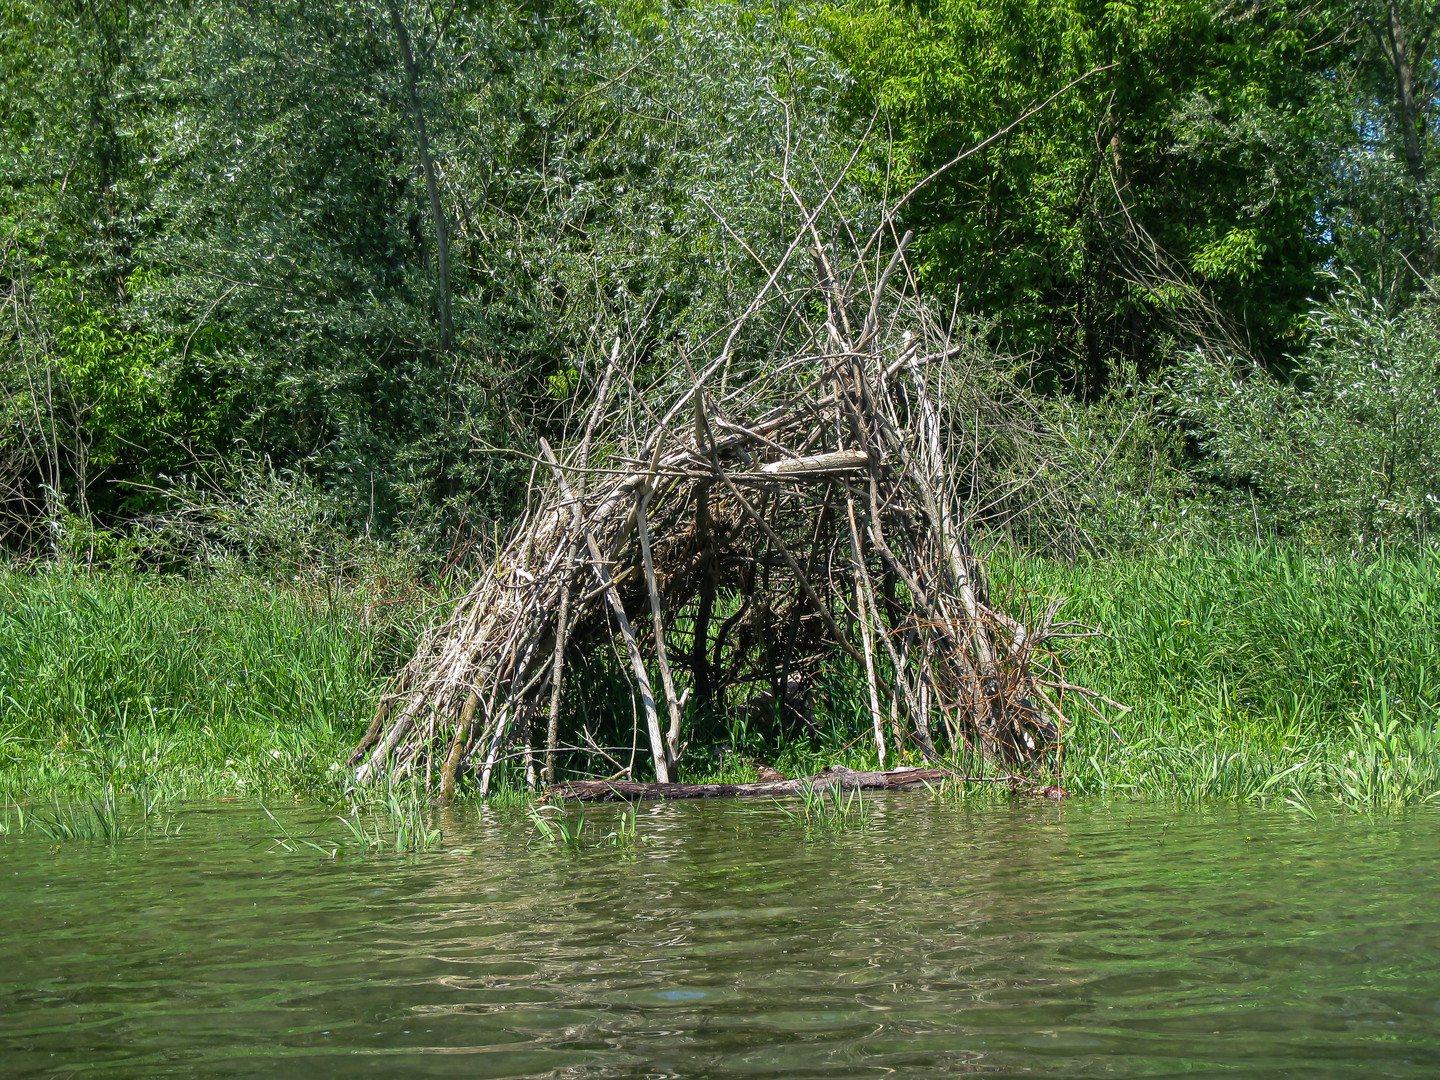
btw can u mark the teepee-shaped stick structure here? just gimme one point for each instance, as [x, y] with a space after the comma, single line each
[773, 513]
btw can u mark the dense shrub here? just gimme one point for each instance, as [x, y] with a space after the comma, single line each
[1345, 447]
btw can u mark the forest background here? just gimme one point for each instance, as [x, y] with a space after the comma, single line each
[296, 287]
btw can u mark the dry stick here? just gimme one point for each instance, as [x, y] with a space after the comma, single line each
[497, 733]
[513, 701]
[372, 733]
[759, 298]
[795, 569]
[1061, 684]
[429, 757]
[943, 528]
[457, 749]
[922, 724]
[387, 746]
[826, 506]
[637, 660]
[902, 685]
[908, 779]
[552, 730]
[708, 569]
[918, 706]
[940, 619]
[872, 318]
[672, 740]
[516, 700]
[529, 754]
[857, 558]
[829, 285]
[516, 665]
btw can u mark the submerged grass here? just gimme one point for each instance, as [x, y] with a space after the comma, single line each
[1252, 673]
[553, 825]
[397, 819]
[98, 818]
[827, 809]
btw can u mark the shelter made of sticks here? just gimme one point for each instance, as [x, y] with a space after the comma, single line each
[758, 523]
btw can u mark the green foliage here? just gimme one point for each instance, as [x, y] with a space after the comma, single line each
[827, 809]
[1346, 449]
[221, 259]
[178, 686]
[272, 295]
[1168, 193]
[1252, 674]
[1119, 478]
[553, 825]
[98, 818]
[397, 819]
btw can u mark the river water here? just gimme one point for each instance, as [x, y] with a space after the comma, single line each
[1039, 939]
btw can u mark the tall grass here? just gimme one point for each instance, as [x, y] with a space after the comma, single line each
[100, 818]
[828, 809]
[553, 825]
[182, 687]
[395, 818]
[1253, 672]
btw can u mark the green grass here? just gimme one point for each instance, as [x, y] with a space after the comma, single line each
[825, 810]
[396, 818]
[99, 818]
[181, 688]
[1252, 673]
[554, 825]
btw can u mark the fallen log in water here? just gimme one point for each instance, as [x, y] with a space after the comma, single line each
[909, 779]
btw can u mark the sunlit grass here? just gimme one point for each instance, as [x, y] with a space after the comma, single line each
[396, 818]
[1253, 673]
[182, 688]
[826, 809]
[99, 818]
[555, 826]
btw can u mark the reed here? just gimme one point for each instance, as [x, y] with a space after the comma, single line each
[554, 826]
[99, 818]
[397, 819]
[222, 685]
[1252, 672]
[826, 809]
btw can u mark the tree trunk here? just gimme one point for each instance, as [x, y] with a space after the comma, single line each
[432, 186]
[910, 779]
[1404, 50]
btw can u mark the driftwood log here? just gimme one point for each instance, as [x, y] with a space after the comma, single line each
[908, 779]
[753, 522]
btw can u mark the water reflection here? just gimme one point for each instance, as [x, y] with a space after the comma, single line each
[1054, 940]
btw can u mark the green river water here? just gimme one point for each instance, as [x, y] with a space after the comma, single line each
[1036, 939]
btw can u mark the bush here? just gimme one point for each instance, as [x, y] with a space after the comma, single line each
[1345, 449]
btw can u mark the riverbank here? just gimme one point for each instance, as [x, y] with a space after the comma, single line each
[1251, 673]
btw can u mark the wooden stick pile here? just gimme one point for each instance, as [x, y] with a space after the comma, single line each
[816, 512]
